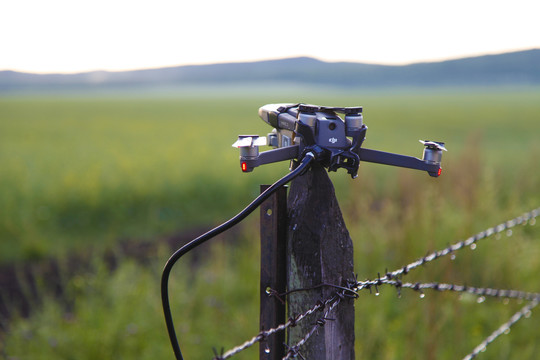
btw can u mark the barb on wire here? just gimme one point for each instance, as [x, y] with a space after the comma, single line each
[294, 351]
[504, 328]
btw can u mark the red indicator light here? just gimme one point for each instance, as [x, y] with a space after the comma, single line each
[439, 172]
[243, 165]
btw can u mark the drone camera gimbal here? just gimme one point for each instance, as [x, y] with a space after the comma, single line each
[335, 142]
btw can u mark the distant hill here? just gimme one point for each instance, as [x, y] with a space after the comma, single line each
[516, 68]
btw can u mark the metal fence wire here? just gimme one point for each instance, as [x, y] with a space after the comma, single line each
[395, 279]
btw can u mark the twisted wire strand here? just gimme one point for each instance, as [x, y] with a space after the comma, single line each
[507, 225]
[479, 291]
[499, 293]
[524, 312]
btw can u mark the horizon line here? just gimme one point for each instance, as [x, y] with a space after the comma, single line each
[427, 61]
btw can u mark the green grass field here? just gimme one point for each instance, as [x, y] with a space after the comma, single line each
[79, 174]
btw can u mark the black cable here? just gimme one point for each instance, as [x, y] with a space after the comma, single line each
[210, 234]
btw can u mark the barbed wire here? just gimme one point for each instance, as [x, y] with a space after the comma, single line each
[294, 350]
[334, 301]
[471, 241]
[292, 321]
[503, 329]
[481, 292]
[394, 279]
[478, 291]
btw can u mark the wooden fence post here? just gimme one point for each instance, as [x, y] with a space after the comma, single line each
[319, 251]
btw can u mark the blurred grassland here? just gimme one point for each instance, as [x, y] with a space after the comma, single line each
[77, 171]
[82, 173]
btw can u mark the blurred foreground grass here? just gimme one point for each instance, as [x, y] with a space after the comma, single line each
[80, 174]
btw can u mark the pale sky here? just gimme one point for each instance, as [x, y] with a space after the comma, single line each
[72, 36]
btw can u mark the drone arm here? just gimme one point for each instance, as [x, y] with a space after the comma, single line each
[280, 154]
[270, 156]
[410, 162]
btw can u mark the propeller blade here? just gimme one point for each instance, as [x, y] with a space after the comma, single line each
[433, 144]
[250, 141]
[259, 141]
[243, 142]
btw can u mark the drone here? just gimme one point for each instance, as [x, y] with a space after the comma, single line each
[336, 142]
[302, 133]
